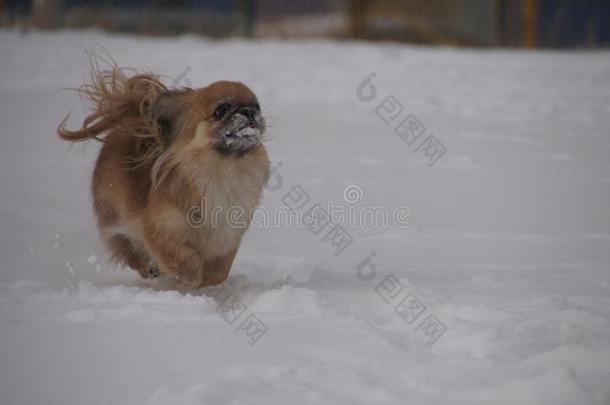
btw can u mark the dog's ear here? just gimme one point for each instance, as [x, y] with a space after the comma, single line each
[168, 110]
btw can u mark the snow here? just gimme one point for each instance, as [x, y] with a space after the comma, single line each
[508, 244]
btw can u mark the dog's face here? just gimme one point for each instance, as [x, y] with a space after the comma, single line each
[232, 115]
[224, 116]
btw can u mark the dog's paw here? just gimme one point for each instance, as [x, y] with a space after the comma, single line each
[153, 271]
[189, 280]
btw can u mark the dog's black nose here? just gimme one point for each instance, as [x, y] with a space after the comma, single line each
[247, 112]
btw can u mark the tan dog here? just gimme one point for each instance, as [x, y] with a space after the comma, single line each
[164, 152]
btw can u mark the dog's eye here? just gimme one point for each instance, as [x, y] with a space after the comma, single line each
[257, 106]
[221, 110]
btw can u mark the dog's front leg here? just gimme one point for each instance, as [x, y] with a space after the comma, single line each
[216, 270]
[165, 242]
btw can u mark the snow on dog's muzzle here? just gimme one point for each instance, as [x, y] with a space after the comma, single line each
[249, 130]
[243, 131]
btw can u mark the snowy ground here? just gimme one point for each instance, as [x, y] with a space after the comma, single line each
[508, 249]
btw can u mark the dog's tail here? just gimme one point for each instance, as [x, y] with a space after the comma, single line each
[118, 102]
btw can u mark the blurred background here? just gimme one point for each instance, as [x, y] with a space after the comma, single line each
[510, 23]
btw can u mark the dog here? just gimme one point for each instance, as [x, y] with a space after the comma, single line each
[163, 152]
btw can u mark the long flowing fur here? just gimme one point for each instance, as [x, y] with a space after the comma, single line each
[121, 104]
[126, 102]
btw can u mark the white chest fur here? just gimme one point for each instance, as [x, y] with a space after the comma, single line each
[231, 189]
